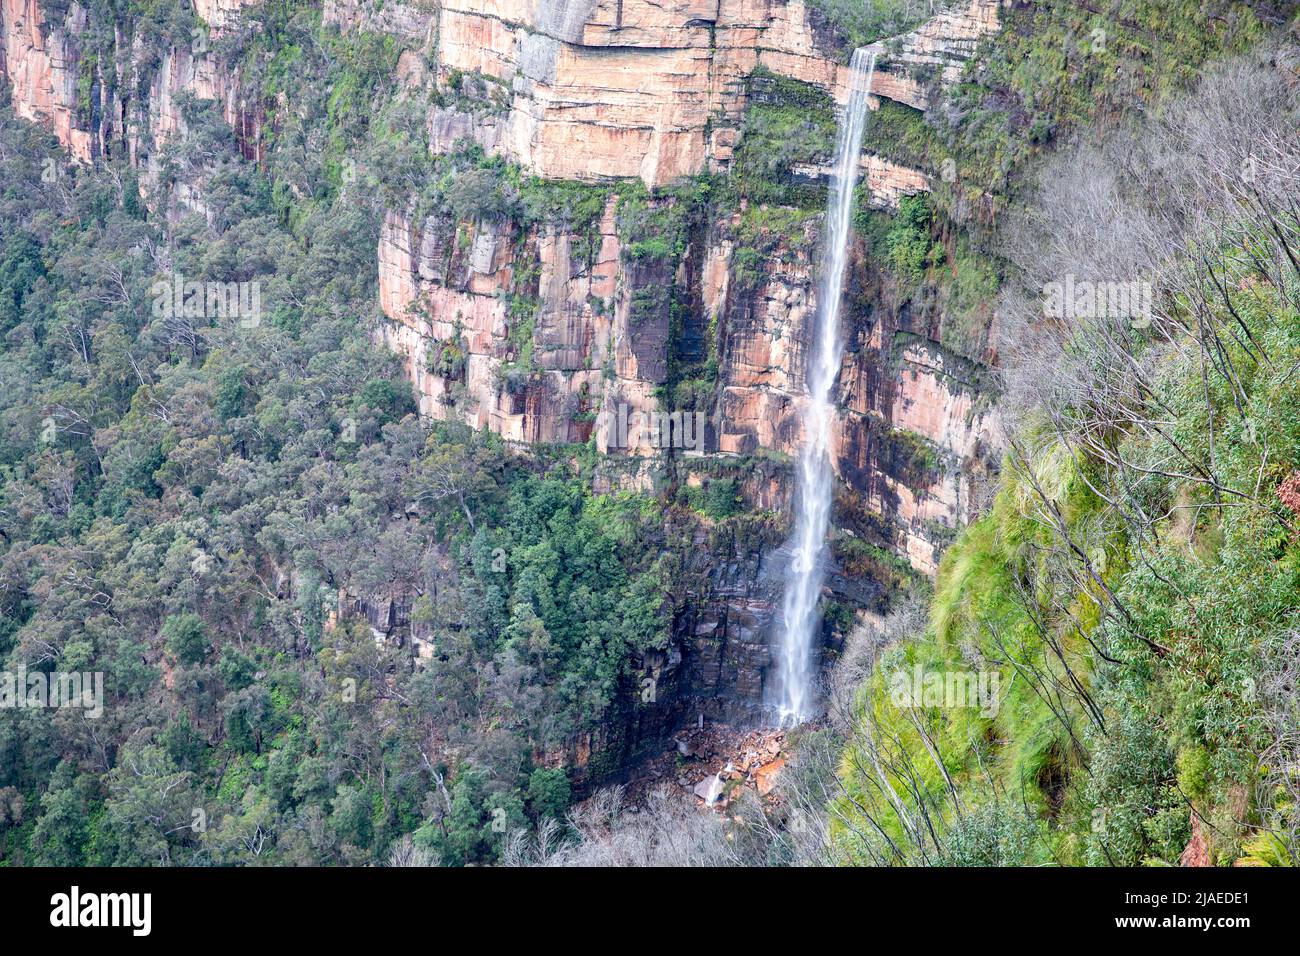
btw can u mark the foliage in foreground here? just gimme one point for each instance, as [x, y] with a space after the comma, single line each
[1133, 593]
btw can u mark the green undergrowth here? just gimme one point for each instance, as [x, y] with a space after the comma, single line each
[1128, 668]
[1056, 68]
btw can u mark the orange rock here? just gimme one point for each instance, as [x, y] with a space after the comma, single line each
[765, 777]
[1197, 852]
[631, 89]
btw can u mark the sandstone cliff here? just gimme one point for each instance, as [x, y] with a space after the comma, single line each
[122, 101]
[42, 67]
[615, 89]
[621, 88]
[628, 90]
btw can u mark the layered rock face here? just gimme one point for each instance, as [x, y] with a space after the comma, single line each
[131, 108]
[413, 21]
[220, 14]
[915, 67]
[621, 88]
[911, 440]
[592, 90]
[886, 182]
[600, 346]
[594, 346]
[182, 72]
[42, 67]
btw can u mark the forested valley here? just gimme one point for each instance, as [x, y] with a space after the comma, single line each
[366, 583]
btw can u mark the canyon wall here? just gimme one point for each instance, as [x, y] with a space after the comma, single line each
[547, 333]
[601, 91]
[600, 344]
[126, 103]
[39, 60]
[618, 91]
[591, 89]
[447, 285]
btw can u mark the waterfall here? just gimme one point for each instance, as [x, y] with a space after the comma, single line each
[793, 690]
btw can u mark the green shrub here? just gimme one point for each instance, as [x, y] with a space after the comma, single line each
[786, 123]
[994, 835]
[908, 244]
[860, 22]
[549, 793]
[186, 637]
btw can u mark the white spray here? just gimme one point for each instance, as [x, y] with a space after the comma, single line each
[793, 687]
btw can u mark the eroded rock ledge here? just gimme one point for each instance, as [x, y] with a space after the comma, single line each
[634, 88]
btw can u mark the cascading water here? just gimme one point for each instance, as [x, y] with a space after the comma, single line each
[793, 690]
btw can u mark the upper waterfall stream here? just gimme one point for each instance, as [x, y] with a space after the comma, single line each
[793, 689]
